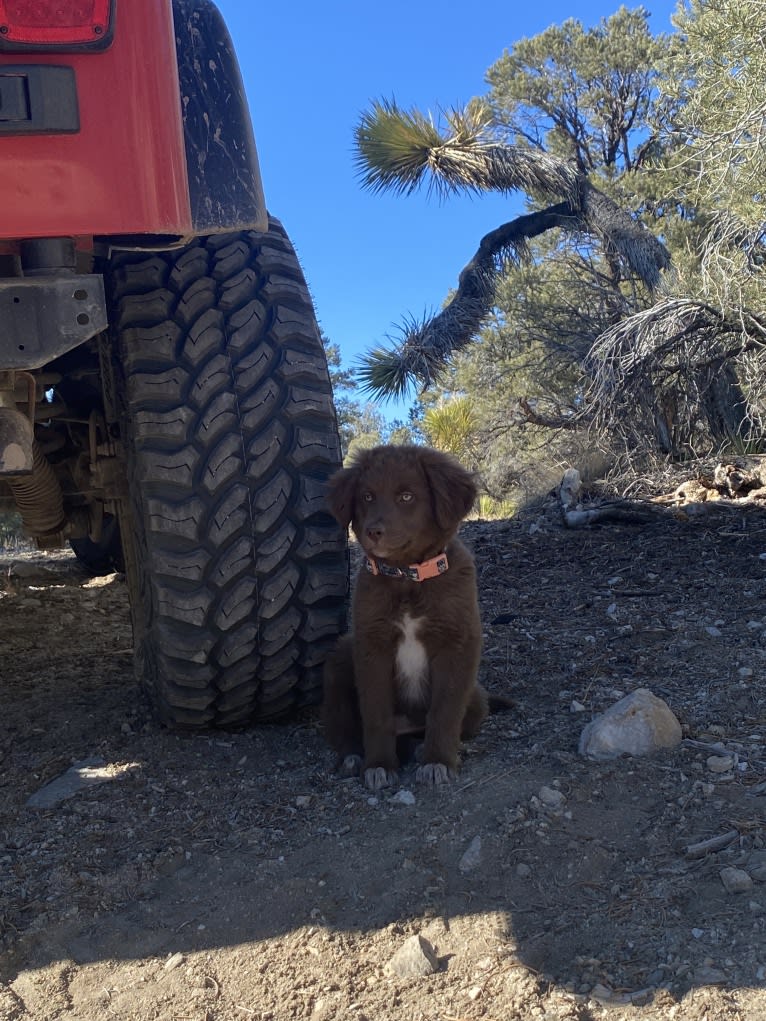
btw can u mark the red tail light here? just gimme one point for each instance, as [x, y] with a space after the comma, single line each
[56, 24]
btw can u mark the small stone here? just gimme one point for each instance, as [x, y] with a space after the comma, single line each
[303, 801]
[551, 798]
[474, 993]
[471, 858]
[403, 797]
[576, 707]
[600, 992]
[639, 724]
[174, 961]
[745, 672]
[707, 975]
[415, 958]
[735, 880]
[523, 871]
[720, 763]
[698, 933]
[714, 632]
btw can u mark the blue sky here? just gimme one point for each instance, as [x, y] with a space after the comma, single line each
[309, 70]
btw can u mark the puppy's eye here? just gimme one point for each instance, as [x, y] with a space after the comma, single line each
[367, 497]
[406, 497]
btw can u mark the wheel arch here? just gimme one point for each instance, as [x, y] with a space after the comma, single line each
[225, 188]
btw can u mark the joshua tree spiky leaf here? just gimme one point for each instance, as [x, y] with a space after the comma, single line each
[399, 150]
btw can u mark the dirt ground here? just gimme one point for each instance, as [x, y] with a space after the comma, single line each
[226, 877]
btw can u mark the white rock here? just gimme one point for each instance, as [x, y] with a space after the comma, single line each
[638, 724]
[735, 880]
[720, 763]
[601, 992]
[403, 797]
[415, 958]
[570, 488]
[174, 961]
[551, 798]
[471, 858]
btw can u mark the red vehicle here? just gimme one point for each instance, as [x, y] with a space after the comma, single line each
[165, 404]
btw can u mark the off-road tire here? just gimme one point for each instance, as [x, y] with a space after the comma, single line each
[237, 573]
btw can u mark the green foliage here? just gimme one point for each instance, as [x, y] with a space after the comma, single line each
[693, 365]
[717, 164]
[341, 379]
[489, 509]
[582, 93]
[451, 426]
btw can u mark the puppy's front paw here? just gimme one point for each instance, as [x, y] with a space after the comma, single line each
[433, 774]
[376, 778]
[350, 766]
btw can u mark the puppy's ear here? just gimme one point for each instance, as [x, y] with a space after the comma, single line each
[341, 493]
[453, 489]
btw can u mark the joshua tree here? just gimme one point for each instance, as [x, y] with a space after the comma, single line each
[401, 150]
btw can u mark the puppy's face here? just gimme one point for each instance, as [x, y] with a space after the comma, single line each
[393, 517]
[404, 503]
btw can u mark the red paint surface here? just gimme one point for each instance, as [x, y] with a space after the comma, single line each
[124, 172]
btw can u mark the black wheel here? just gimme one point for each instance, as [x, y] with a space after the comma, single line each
[238, 574]
[104, 556]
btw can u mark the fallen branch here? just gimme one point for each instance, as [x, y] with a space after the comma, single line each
[710, 846]
[729, 490]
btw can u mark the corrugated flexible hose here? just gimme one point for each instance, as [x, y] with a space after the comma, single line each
[38, 496]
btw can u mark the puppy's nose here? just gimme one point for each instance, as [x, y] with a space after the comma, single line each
[375, 532]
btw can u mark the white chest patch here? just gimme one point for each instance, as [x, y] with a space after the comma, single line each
[411, 661]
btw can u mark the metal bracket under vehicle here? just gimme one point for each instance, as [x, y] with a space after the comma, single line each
[44, 317]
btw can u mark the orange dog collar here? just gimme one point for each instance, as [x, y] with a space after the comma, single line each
[415, 572]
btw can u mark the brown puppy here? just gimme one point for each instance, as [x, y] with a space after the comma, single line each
[412, 658]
